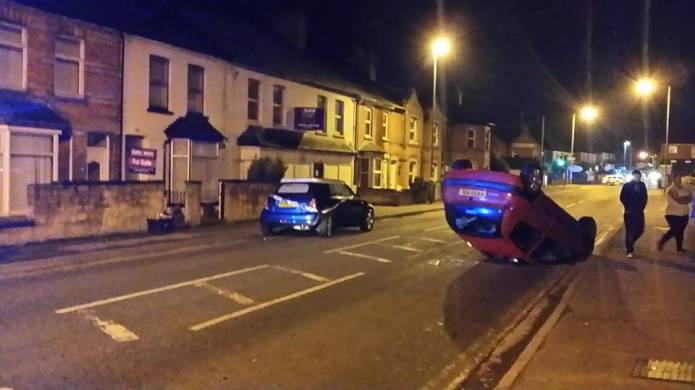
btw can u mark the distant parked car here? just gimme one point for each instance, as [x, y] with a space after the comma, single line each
[315, 204]
[613, 180]
[508, 216]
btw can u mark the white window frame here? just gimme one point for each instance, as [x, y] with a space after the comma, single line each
[149, 82]
[412, 131]
[435, 134]
[280, 105]
[80, 67]
[385, 125]
[339, 117]
[325, 113]
[377, 169]
[258, 100]
[368, 119]
[188, 87]
[23, 47]
[412, 174]
[470, 137]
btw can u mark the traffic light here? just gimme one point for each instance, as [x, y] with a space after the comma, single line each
[561, 162]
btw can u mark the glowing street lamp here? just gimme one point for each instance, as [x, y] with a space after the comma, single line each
[441, 46]
[645, 87]
[588, 113]
[643, 155]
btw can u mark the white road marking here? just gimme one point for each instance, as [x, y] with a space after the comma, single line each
[156, 290]
[232, 295]
[273, 302]
[341, 249]
[432, 240]
[307, 275]
[406, 248]
[436, 228]
[116, 331]
[569, 206]
[363, 256]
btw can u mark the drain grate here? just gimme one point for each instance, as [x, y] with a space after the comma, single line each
[666, 370]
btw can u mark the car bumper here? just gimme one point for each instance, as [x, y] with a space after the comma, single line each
[303, 221]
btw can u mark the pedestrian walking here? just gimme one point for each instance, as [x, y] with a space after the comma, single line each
[677, 212]
[633, 196]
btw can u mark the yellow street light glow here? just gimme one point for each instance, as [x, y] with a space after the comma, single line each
[441, 46]
[643, 155]
[645, 87]
[588, 113]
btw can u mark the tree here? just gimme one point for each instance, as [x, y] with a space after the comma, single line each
[267, 170]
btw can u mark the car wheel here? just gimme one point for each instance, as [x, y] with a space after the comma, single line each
[532, 178]
[325, 228]
[587, 225]
[368, 222]
[266, 230]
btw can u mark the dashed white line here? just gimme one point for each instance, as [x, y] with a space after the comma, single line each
[307, 275]
[341, 249]
[363, 256]
[231, 295]
[432, 240]
[156, 290]
[406, 248]
[570, 205]
[436, 228]
[116, 331]
[273, 302]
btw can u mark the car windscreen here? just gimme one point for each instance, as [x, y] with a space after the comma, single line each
[293, 188]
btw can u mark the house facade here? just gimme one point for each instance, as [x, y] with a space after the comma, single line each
[472, 142]
[524, 145]
[60, 102]
[435, 136]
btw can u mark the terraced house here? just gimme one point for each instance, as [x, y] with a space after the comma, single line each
[60, 102]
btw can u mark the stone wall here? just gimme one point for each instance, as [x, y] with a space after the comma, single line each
[244, 200]
[385, 197]
[68, 210]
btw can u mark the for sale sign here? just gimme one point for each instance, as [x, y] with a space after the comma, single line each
[142, 161]
[308, 118]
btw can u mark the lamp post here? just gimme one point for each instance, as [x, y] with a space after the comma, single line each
[626, 145]
[588, 114]
[645, 87]
[441, 46]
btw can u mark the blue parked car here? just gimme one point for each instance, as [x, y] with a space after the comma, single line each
[315, 204]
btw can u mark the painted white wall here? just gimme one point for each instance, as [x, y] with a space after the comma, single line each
[138, 121]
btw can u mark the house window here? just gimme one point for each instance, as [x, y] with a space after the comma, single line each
[385, 126]
[13, 47]
[435, 134]
[412, 171]
[67, 79]
[377, 176]
[368, 123]
[470, 138]
[412, 131]
[254, 98]
[321, 103]
[159, 83]
[363, 170]
[278, 105]
[196, 85]
[318, 170]
[339, 117]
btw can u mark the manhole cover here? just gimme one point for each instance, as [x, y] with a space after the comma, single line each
[666, 370]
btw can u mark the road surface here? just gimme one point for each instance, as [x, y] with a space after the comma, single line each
[408, 305]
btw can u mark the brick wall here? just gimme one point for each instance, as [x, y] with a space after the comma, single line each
[67, 210]
[99, 110]
[244, 200]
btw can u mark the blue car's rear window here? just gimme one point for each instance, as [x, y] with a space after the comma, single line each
[293, 188]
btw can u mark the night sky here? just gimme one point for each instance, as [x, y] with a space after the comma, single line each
[512, 58]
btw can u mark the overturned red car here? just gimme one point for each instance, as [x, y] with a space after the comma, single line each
[508, 216]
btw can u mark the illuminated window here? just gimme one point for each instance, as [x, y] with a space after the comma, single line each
[412, 131]
[322, 103]
[412, 171]
[377, 176]
[254, 98]
[435, 134]
[368, 123]
[13, 46]
[470, 139]
[339, 117]
[385, 125]
[278, 105]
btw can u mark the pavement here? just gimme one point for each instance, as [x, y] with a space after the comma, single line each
[622, 311]
[407, 305]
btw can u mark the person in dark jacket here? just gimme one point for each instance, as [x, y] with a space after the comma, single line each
[633, 196]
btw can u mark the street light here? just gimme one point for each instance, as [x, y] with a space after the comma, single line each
[642, 155]
[626, 145]
[588, 114]
[645, 87]
[441, 46]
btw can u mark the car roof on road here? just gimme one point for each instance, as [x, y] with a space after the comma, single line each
[311, 180]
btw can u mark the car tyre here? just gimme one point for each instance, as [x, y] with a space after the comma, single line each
[325, 228]
[532, 178]
[368, 223]
[266, 230]
[588, 228]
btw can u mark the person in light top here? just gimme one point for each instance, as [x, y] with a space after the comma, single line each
[677, 213]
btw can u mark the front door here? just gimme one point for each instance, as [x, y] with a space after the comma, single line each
[364, 172]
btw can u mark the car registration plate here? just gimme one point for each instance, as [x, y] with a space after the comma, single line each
[286, 205]
[471, 193]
